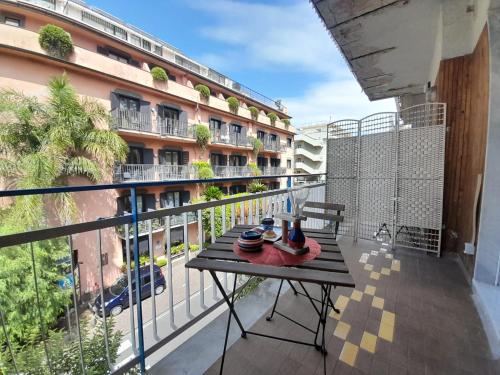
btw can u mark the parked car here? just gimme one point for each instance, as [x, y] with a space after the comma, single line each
[116, 297]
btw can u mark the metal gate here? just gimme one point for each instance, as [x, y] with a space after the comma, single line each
[388, 169]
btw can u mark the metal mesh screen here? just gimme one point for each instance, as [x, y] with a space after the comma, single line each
[388, 169]
[342, 170]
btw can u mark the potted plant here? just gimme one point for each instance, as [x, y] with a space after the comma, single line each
[203, 169]
[256, 187]
[212, 193]
[55, 41]
[254, 169]
[257, 146]
[254, 113]
[234, 104]
[159, 74]
[203, 90]
[273, 117]
[286, 122]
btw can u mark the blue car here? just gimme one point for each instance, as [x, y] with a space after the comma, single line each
[116, 297]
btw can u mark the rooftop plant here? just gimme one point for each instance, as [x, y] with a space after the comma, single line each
[159, 74]
[286, 122]
[273, 117]
[254, 112]
[202, 135]
[234, 104]
[55, 41]
[203, 90]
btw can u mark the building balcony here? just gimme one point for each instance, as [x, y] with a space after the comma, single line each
[273, 146]
[174, 128]
[232, 171]
[273, 171]
[151, 172]
[125, 119]
[314, 156]
[158, 225]
[229, 138]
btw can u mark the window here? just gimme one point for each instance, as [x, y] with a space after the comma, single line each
[218, 159]
[158, 50]
[237, 160]
[118, 57]
[215, 124]
[235, 128]
[11, 21]
[275, 162]
[168, 113]
[135, 155]
[236, 189]
[169, 157]
[134, 39]
[261, 135]
[128, 103]
[289, 163]
[273, 137]
[104, 25]
[144, 202]
[170, 199]
[289, 142]
[146, 45]
[261, 161]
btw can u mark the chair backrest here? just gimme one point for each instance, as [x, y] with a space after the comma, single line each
[337, 219]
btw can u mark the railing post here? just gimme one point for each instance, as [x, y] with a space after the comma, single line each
[137, 276]
[288, 203]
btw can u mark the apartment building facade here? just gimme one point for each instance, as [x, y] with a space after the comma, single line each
[111, 62]
[310, 149]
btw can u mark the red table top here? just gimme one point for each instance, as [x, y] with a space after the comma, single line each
[271, 256]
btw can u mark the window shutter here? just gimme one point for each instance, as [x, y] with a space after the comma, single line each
[185, 157]
[163, 198]
[115, 101]
[145, 110]
[224, 160]
[120, 206]
[186, 196]
[102, 50]
[223, 129]
[243, 161]
[265, 162]
[150, 202]
[148, 156]
[183, 117]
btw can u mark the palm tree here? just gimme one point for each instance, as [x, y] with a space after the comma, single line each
[42, 144]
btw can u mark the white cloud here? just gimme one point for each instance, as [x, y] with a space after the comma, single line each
[289, 37]
[334, 100]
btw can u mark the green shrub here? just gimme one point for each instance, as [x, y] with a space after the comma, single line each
[254, 112]
[55, 41]
[203, 90]
[212, 192]
[143, 260]
[256, 187]
[162, 262]
[255, 169]
[202, 134]
[177, 249]
[257, 146]
[159, 74]
[234, 104]
[286, 122]
[204, 170]
[194, 247]
[273, 117]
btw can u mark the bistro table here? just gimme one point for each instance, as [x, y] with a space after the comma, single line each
[327, 270]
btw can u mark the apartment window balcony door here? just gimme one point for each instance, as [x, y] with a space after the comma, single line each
[237, 161]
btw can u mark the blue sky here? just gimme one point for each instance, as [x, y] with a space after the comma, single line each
[279, 48]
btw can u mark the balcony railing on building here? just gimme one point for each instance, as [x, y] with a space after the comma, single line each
[232, 171]
[273, 171]
[175, 128]
[158, 224]
[151, 172]
[127, 119]
[228, 137]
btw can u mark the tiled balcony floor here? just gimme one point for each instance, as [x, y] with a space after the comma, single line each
[409, 314]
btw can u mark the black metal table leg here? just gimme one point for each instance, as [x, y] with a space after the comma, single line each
[269, 317]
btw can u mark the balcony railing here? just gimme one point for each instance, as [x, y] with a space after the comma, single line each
[126, 119]
[230, 138]
[273, 171]
[151, 172]
[175, 128]
[272, 145]
[232, 171]
[153, 322]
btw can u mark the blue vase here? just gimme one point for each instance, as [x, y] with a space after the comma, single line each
[296, 238]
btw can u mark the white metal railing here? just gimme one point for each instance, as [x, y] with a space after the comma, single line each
[232, 171]
[159, 317]
[176, 128]
[151, 172]
[273, 171]
[131, 120]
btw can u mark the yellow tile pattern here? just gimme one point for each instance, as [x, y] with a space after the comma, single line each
[388, 317]
[368, 342]
[341, 302]
[342, 330]
[396, 265]
[368, 267]
[374, 275]
[378, 302]
[349, 353]
[385, 271]
[389, 256]
[370, 289]
[386, 332]
[356, 295]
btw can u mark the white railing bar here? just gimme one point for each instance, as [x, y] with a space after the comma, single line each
[233, 215]
[187, 293]
[250, 212]
[242, 212]
[212, 239]
[169, 273]
[130, 292]
[223, 217]
[257, 213]
[152, 279]
[200, 248]
[101, 290]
